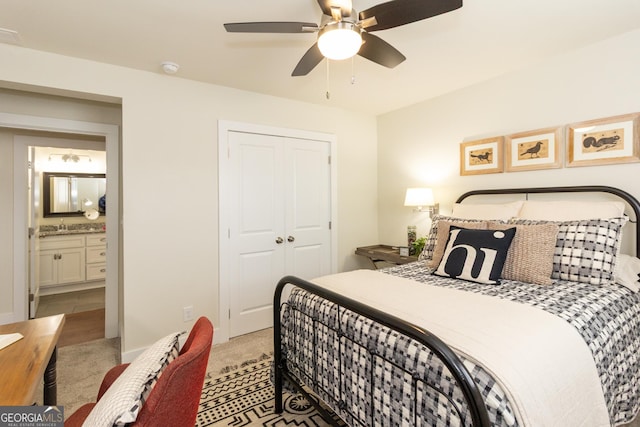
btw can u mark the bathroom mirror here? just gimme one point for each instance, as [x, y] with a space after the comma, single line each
[71, 194]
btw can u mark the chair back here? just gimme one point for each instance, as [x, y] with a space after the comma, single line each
[175, 398]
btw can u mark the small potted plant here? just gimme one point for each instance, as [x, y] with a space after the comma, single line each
[418, 245]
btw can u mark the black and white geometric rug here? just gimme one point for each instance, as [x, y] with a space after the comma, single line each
[244, 397]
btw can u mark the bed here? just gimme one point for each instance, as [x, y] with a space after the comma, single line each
[552, 339]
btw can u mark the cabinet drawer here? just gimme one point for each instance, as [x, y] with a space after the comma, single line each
[61, 242]
[96, 254]
[96, 271]
[96, 239]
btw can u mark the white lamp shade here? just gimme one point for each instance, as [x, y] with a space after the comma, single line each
[419, 197]
[340, 40]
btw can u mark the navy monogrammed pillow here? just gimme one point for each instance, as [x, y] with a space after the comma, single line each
[475, 255]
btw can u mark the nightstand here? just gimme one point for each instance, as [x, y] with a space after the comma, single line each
[384, 253]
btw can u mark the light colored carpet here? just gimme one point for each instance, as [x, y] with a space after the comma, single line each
[81, 367]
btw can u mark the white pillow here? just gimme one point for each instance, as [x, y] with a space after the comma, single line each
[570, 210]
[121, 403]
[499, 211]
[627, 272]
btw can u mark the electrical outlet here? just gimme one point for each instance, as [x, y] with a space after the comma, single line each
[187, 313]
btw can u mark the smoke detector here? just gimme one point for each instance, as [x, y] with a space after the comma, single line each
[170, 67]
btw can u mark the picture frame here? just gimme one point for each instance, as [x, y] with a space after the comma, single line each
[533, 150]
[482, 156]
[605, 141]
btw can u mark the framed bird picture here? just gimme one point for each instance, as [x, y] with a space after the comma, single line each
[532, 150]
[604, 141]
[481, 156]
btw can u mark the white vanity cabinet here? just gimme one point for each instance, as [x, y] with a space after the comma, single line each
[96, 256]
[72, 262]
[62, 260]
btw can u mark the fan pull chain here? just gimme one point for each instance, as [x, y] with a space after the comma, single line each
[328, 94]
[353, 70]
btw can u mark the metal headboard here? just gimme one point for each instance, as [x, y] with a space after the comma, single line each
[628, 198]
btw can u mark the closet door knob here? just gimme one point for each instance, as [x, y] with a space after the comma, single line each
[279, 240]
[291, 239]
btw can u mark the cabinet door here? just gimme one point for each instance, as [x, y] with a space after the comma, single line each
[48, 268]
[71, 265]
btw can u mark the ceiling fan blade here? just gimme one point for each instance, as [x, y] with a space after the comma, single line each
[308, 61]
[379, 51]
[271, 27]
[345, 6]
[400, 12]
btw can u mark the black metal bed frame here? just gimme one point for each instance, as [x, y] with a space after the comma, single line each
[473, 399]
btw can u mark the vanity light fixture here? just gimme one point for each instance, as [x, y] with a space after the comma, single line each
[421, 198]
[69, 157]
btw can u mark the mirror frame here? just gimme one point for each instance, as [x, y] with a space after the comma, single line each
[46, 191]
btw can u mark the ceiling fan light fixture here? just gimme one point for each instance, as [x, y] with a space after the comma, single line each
[339, 40]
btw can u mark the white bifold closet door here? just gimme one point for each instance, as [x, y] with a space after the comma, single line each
[280, 221]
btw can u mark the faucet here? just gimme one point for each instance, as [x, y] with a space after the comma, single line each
[61, 226]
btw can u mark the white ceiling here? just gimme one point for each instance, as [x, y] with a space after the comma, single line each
[483, 39]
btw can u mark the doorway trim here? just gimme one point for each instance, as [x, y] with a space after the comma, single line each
[224, 213]
[20, 237]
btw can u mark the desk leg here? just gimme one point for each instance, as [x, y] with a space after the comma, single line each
[50, 397]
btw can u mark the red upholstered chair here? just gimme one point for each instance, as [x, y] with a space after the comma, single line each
[175, 398]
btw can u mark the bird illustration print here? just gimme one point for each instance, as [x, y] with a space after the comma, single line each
[482, 157]
[533, 151]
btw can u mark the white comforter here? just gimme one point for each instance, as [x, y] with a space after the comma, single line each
[540, 360]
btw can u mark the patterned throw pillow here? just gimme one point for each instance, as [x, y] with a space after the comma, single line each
[443, 236]
[530, 257]
[475, 255]
[586, 250]
[122, 401]
[432, 237]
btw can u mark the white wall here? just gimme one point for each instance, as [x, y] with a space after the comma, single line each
[419, 145]
[169, 178]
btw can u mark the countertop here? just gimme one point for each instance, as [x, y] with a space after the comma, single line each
[71, 229]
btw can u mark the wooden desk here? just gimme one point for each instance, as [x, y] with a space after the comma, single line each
[24, 363]
[386, 253]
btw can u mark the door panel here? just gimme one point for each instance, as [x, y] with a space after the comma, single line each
[308, 261]
[258, 223]
[254, 294]
[280, 222]
[308, 208]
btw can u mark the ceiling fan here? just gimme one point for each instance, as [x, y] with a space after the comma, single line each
[343, 33]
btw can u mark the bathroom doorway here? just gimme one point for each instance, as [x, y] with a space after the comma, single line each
[67, 257]
[23, 127]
